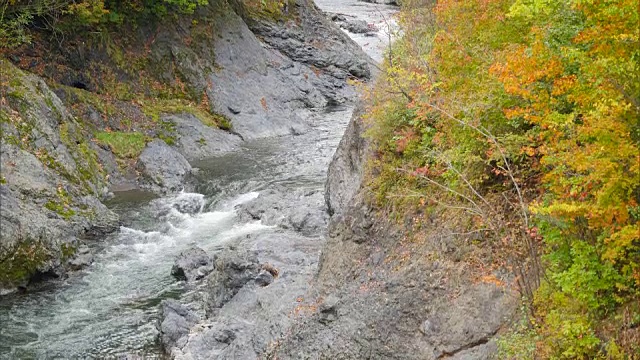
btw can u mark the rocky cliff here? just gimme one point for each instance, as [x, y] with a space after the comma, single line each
[385, 289]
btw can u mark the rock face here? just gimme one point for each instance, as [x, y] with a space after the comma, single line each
[347, 166]
[192, 264]
[162, 169]
[49, 182]
[387, 299]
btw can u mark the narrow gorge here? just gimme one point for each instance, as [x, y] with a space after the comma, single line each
[328, 179]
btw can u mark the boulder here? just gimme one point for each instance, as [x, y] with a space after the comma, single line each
[301, 211]
[192, 264]
[82, 258]
[162, 169]
[358, 26]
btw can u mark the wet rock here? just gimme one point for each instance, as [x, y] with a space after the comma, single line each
[337, 17]
[189, 204]
[174, 324]
[192, 264]
[358, 26]
[162, 169]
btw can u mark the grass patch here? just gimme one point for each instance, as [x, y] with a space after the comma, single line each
[125, 145]
[154, 108]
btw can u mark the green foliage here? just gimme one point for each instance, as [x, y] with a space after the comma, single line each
[124, 145]
[156, 107]
[17, 16]
[481, 96]
[519, 342]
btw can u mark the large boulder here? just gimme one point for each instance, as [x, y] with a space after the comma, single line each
[162, 169]
[358, 26]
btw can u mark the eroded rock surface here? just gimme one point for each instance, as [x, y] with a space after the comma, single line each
[162, 169]
[49, 186]
[301, 210]
[192, 264]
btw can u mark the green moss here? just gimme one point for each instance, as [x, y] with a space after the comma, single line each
[85, 97]
[20, 261]
[3, 180]
[67, 251]
[60, 209]
[272, 10]
[124, 145]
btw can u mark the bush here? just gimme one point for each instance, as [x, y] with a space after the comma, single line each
[17, 17]
[538, 95]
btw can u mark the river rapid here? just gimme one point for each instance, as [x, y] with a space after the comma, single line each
[110, 309]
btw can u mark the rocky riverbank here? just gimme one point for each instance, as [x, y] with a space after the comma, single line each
[69, 139]
[376, 291]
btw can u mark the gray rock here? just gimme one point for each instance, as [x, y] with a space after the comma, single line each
[264, 278]
[162, 169]
[175, 323]
[336, 53]
[232, 270]
[45, 202]
[188, 204]
[358, 26]
[192, 264]
[197, 141]
[298, 210]
[345, 172]
[82, 258]
[385, 2]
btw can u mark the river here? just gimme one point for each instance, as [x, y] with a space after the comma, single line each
[110, 309]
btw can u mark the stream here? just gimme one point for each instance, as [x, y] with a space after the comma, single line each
[110, 309]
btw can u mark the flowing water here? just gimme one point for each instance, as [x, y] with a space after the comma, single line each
[111, 308]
